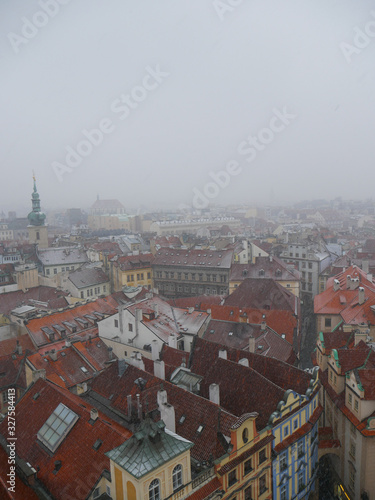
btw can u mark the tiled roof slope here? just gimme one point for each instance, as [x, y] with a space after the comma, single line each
[197, 410]
[81, 463]
[194, 258]
[88, 277]
[53, 298]
[205, 353]
[273, 268]
[262, 294]
[237, 335]
[280, 321]
[133, 262]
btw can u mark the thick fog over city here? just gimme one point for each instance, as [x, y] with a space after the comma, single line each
[189, 104]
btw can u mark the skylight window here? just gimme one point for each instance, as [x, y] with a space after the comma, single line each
[200, 429]
[57, 427]
[85, 370]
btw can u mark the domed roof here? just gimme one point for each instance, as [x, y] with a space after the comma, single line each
[36, 216]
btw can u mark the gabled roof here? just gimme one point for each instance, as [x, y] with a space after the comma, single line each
[88, 277]
[8, 346]
[79, 317]
[262, 294]
[279, 320]
[60, 256]
[264, 267]
[76, 476]
[134, 262]
[150, 447]
[237, 335]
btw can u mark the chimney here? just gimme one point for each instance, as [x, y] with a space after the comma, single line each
[110, 354]
[167, 413]
[348, 281]
[244, 362]
[354, 283]
[251, 344]
[129, 400]
[263, 326]
[156, 309]
[159, 369]
[68, 343]
[94, 414]
[154, 350]
[214, 391]
[361, 295]
[18, 348]
[191, 310]
[336, 285]
[271, 259]
[53, 355]
[139, 406]
[223, 354]
[172, 341]
[138, 319]
[365, 266]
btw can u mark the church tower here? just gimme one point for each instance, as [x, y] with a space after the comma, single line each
[38, 233]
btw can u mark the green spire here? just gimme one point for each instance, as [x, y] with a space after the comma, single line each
[36, 216]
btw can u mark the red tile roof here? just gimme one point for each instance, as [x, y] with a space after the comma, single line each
[22, 491]
[206, 490]
[76, 477]
[8, 346]
[272, 267]
[133, 262]
[53, 298]
[262, 294]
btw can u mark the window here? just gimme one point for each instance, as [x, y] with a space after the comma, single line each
[116, 323]
[138, 276]
[37, 235]
[248, 493]
[96, 493]
[54, 270]
[186, 275]
[82, 295]
[283, 492]
[128, 278]
[247, 467]
[301, 481]
[327, 322]
[245, 435]
[214, 277]
[286, 431]
[47, 272]
[177, 477]
[353, 429]
[300, 449]
[351, 478]
[63, 269]
[283, 462]
[154, 490]
[142, 276]
[262, 456]
[5, 397]
[263, 484]
[57, 426]
[352, 449]
[223, 279]
[130, 327]
[310, 265]
[149, 276]
[295, 424]
[232, 477]
[356, 405]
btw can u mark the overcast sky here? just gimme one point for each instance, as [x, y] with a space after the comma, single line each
[178, 89]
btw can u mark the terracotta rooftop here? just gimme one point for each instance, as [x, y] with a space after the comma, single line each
[74, 478]
[47, 298]
[133, 262]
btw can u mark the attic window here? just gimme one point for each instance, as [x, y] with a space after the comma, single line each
[57, 427]
[182, 419]
[97, 444]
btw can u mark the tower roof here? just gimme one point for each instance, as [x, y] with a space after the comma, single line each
[36, 216]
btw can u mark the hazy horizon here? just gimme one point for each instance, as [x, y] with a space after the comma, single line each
[162, 98]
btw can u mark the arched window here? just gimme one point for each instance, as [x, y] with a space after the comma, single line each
[177, 477]
[154, 490]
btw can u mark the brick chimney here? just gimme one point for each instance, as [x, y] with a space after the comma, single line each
[251, 344]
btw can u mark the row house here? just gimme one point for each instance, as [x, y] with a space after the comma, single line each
[134, 327]
[131, 270]
[347, 372]
[86, 282]
[183, 273]
[266, 267]
[58, 260]
[310, 262]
